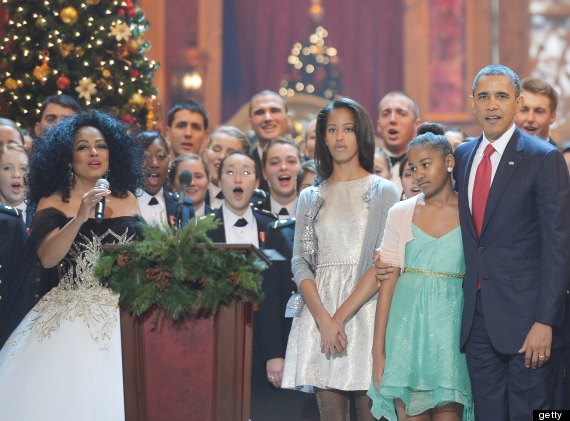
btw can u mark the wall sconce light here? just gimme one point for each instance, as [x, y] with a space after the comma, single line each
[189, 79]
[192, 81]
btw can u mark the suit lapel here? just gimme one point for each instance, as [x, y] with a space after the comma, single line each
[507, 167]
[470, 156]
[261, 227]
[207, 197]
[219, 234]
[170, 205]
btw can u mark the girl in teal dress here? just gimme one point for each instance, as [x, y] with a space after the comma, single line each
[419, 372]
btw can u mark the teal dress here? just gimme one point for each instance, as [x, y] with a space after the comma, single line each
[424, 366]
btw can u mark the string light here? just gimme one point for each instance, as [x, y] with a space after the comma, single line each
[312, 63]
[53, 55]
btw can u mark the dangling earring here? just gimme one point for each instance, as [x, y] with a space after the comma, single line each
[70, 175]
[106, 176]
[449, 169]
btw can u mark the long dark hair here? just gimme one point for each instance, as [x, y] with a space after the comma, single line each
[364, 138]
[51, 157]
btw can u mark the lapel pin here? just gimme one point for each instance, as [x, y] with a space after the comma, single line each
[511, 162]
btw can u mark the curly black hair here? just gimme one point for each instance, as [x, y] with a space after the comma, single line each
[50, 161]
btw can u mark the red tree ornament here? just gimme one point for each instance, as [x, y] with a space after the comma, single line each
[63, 83]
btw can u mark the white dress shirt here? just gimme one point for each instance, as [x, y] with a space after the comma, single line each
[152, 214]
[23, 208]
[200, 210]
[500, 144]
[276, 207]
[213, 190]
[240, 235]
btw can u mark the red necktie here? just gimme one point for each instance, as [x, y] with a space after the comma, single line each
[481, 189]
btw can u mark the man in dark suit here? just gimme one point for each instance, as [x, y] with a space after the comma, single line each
[13, 239]
[535, 117]
[270, 337]
[514, 200]
[278, 287]
[269, 118]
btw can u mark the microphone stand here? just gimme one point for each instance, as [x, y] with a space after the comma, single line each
[184, 179]
[180, 207]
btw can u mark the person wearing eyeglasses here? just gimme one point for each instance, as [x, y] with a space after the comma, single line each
[242, 224]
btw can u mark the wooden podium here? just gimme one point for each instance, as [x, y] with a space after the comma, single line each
[196, 370]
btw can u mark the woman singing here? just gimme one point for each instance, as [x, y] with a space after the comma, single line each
[63, 362]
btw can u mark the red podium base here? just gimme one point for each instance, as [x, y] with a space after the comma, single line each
[197, 370]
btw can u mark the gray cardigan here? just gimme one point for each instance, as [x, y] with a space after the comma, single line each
[379, 197]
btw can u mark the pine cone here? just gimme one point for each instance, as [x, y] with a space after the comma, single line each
[160, 276]
[234, 278]
[123, 259]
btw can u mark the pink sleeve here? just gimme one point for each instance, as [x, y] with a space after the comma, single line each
[390, 247]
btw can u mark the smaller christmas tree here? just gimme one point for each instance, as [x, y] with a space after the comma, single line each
[312, 64]
[89, 49]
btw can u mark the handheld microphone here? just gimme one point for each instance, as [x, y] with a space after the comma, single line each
[100, 206]
[184, 179]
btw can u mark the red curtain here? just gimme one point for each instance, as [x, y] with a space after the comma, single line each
[259, 35]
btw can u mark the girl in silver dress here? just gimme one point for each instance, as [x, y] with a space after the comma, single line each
[340, 222]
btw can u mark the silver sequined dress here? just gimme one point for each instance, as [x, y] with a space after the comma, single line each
[339, 230]
[64, 362]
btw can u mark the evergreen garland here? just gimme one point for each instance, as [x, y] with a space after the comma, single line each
[182, 273]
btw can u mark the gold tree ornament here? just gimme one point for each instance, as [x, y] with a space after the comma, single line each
[151, 105]
[69, 15]
[134, 45]
[138, 100]
[11, 84]
[79, 51]
[40, 72]
[316, 10]
[92, 2]
[66, 48]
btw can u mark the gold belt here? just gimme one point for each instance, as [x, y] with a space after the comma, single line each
[429, 272]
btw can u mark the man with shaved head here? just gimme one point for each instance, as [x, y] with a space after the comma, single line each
[398, 120]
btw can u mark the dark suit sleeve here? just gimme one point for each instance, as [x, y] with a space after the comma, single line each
[277, 287]
[13, 238]
[553, 197]
[12, 243]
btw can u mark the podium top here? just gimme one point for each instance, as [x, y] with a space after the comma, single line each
[249, 248]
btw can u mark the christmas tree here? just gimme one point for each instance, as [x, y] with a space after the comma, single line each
[313, 64]
[89, 49]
